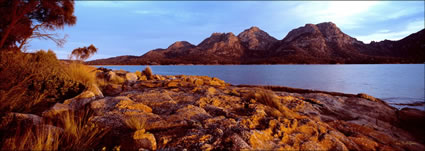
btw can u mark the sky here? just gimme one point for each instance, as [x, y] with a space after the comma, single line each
[135, 27]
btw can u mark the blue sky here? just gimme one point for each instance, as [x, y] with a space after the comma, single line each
[135, 27]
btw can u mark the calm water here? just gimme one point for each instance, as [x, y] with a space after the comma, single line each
[394, 83]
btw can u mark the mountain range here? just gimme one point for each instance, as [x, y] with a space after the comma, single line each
[322, 43]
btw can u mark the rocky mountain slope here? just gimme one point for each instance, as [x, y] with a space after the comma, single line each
[320, 43]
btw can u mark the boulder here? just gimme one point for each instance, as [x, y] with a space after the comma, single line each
[107, 104]
[112, 89]
[57, 110]
[131, 77]
[114, 78]
[84, 98]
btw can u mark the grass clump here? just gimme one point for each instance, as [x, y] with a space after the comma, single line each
[269, 98]
[135, 123]
[81, 73]
[71, 131]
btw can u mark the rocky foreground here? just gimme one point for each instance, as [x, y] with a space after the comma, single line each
[202, 113]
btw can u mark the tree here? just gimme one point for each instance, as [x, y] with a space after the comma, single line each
[83, 53]
[20, 19]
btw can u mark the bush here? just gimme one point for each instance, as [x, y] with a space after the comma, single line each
[148, 72]
[31, 82]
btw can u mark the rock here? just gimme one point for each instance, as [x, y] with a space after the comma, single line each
[199, 112]
[114, 78]
[112, 89]
[239, 143]
[84, 98]
[15, 119]
[413, 120]
[366, 96]
[96, 91]
[173, 84]
[211, 91]
[57, 110]
[144, 140]
[260, 140]
[190, 112]
[198, 82]
[143, 77]
[120, 72]
[131, 77]
[129, 104]
[158, 77]
[411, 114]
[106, 104]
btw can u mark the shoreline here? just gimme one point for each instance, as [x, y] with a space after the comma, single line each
[157, 112]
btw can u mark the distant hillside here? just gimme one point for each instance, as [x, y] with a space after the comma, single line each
[322, 43]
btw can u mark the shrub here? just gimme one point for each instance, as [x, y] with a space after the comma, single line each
[148, 72]
[31, 82]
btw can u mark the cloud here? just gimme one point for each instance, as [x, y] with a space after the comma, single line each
[348, 14]
[380, 35]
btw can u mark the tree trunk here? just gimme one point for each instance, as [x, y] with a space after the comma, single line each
[11, 25]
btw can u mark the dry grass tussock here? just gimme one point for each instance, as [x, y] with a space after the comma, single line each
[135, 123]
[269, 98]
[81, 73]
[72, 131]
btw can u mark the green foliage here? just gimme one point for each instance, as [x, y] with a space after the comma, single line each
[30, 82]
